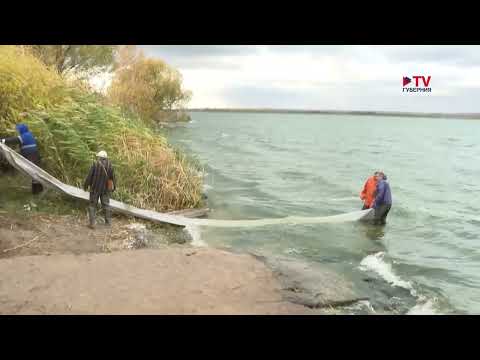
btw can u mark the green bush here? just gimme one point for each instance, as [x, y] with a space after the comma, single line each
[71, 125]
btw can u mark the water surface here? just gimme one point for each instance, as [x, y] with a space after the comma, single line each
[276, 165]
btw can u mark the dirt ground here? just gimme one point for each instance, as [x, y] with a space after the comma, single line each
[49, 235]
[56, 265]
[173, 280]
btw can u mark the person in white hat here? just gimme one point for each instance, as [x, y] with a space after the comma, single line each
[101, 181]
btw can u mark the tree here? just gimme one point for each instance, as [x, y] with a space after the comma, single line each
[127, 55]
[145, 86]
[68, 59]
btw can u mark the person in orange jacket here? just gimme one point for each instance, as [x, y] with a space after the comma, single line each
[368, 192]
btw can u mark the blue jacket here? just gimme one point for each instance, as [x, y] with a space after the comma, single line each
[383, 194]
[28, 144]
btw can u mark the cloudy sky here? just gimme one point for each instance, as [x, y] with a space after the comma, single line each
[326, 76]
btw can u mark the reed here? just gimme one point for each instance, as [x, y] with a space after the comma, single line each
[72, 124]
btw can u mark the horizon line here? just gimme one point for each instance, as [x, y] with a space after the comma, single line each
[356, 112]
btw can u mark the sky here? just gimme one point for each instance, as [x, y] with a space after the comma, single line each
[326, 77]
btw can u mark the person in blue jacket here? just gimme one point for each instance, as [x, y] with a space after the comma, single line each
[383, 200]
[28, 149]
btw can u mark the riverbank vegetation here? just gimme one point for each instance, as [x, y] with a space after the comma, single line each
[147, 87]
[72, 122]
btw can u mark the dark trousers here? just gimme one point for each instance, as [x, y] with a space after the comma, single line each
[381, 212]
[34, 157]
[37, 187]
[104, 199]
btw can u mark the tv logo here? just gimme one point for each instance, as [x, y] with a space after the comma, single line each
[417, 88]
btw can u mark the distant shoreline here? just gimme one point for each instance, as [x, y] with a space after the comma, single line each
[338, 112]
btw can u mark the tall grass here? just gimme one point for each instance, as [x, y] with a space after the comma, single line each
[72, 124]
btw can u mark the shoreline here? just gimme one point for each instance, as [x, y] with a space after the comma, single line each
[86, 273]
[127, 270]
[66, 268]
[44, 237]
[467, 116]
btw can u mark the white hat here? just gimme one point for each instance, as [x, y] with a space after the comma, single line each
[102, 154]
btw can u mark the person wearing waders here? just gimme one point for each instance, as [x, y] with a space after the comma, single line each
[383, 200]
[101, 181]
[28, 149]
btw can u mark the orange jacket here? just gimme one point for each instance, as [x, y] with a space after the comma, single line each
[368, 192]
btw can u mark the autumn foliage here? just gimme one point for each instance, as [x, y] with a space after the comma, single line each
[144, 86]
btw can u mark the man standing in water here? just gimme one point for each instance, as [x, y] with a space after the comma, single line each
[368, 192]
[383, 199]
[101, 180]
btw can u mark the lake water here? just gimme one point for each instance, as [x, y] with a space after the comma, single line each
[262, 165]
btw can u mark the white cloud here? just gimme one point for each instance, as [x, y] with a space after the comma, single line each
[331, 77]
